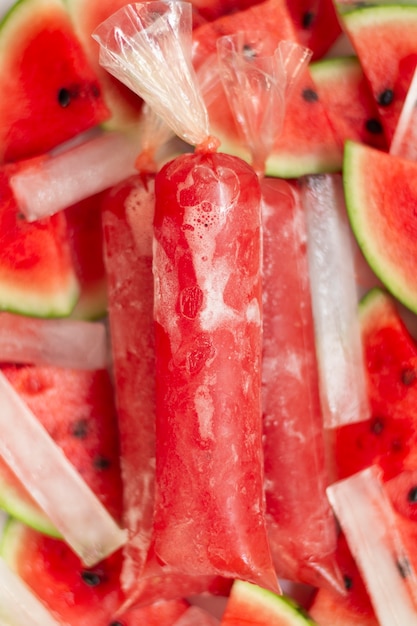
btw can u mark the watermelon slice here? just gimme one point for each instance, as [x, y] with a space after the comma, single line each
[77, 409]
[381, 193]
[317, 24]
[307, 143]
[250, 604]
[346, 96]
[37, 275]
[86, 244]
[49, 92]
[389, 62]
[330, 608]
[124, 104]
[389, 437]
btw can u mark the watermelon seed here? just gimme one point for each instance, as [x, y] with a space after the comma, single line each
[348, 582]
[377, 425]
[404, 568]
[412, 495]
[248, 51]
[373, 126]
[408, 376]
[308, 19]
[386, 97]
[64, 97]
[310, 95]
[80, 429]
[116, 624]
[101, 463]
[92, 578]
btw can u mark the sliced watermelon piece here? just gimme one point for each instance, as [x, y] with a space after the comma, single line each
[86, 243]
[317, 24]
[124, 104]
[74, 594]
[389, 61]
[49, 92]
[250, 604]
[37, 275]
[307, 143]
[77, 409]
[381, 193]
[346, 96]
[389, 437]
[330, 608]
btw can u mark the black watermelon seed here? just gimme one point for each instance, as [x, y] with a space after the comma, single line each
[64, 97]
[101, 463]
[310, 95]
[79, 429]
[404, 567]
[116, 624]
[386, 97]
[91, 578]
[348, 582]
[377, 425]
[373, 126]
[249, 52]
[412, 495]
[307, 19]
[408, 376]
[95, 90]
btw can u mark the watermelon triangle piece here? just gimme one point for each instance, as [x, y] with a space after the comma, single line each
[49, 93]
[381, 193]
[308, 142]
[385, 40]
[250, 604]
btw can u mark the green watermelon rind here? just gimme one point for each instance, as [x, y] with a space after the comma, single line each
[285, 164]
[356, 160]
[21, 510]
[10, 541]
[266, 603]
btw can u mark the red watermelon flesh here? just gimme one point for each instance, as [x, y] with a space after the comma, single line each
[49, 92]
[308, 143]
[37, 275]
[77, 409]
[346, 96]
[389, 62]
[124, 104]
[330, 608]
[317, 24]
[74, 594]
[389, 437]
[86, 243]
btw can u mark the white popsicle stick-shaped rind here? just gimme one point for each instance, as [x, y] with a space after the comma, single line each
[367, 520]
[18, 604]
[74, 174]
[68, 343]
[334, 301]
[53, 482]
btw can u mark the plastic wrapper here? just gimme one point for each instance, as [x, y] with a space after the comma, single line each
[209, 512]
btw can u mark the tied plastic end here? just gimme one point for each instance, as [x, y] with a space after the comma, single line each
[209, 144]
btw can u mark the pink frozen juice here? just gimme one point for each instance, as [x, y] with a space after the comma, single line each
[209, 516]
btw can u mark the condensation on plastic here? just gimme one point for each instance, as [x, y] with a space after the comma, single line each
[258, 75]
[147, 46]
[365, 514]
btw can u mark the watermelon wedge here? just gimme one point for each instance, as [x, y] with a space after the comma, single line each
[389, 437]
[47, 98]
[77, 408]
[308, 142]
[389, 62]
[250, 604]
[37, 275]
[381, 193]
[347, 98]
